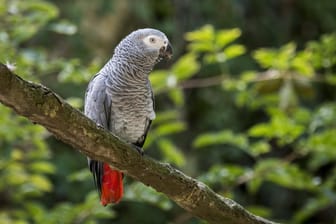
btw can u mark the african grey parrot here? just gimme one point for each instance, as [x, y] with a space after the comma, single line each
[120, 99]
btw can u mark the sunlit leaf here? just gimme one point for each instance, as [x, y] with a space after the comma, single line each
[41, 182]
[36, 211]
[260, 211]
[322, 145]
[259, 148]
[75, 102]
[280, 127]
[277, 59]
[201, 47]
[234, 51]
[201, 39]
[167, 115]
[285, 174]
[254, 184]
[170, 128]
[158, 79]
[141, 193]
[223, 137]
[206, 33]
[224, 37]
[80, 175]
[185, 67]
[40, 13]
[176, 95]
[325, 116]
[226, 175]
[42, 167]
[265, 57]
[64, 27]
[302, 63]
[171, 153]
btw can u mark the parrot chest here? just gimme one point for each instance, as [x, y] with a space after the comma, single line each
[130, 116]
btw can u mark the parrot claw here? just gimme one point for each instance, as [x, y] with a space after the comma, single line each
[139, 149]
[100, 126]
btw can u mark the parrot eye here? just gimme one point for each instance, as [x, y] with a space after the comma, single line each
[152, 40]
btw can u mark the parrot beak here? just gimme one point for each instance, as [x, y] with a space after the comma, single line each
[169, 51]
[166, 52]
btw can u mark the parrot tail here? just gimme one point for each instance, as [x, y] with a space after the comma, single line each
[112, 186]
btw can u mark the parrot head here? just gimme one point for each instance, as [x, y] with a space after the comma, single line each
[151, 44]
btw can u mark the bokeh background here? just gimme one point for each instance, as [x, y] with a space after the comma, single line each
[247, 105]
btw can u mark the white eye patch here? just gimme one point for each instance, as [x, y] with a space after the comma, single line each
[154, 41]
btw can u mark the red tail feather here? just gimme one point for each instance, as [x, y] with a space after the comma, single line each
[112, 186]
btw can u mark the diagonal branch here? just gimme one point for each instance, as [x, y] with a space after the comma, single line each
[42, 106]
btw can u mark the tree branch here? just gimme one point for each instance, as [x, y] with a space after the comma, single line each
[42, 106]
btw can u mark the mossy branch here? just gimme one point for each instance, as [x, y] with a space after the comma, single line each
[42, 106]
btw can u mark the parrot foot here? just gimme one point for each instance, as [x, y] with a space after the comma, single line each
[139, 149]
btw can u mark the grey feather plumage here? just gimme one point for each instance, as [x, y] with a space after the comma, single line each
[119, 98]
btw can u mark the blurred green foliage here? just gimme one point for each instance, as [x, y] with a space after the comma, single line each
[257, 125]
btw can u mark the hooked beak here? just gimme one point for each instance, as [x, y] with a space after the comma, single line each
[166, 52]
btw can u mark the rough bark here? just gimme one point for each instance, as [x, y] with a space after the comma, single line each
[42, 106]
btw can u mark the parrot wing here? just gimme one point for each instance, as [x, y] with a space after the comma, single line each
[97, 105]
[97, 108]
[142, 139]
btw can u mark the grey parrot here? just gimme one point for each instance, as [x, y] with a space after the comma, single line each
[120, 98]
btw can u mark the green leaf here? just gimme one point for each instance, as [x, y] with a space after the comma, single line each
[36, 211]
[265, 57]
[65, 211]
[185, 67]
[139, 192]
[226, 175]
[42, 167]
[81, 175]
[40, 12]
[281, 127]
[259, 148]
[69, 72]
[322, 145]
[284, 57]
[303, 64]
[170, 128]
[204, 34]
[37, 6]
[64, 27]
[158, 79]
[166, 116]
[284, 174]
[323, 117]
[201, 47]
[92, 208]
[323, 51]
[228, 53]
[277, 59]
[41, 183]
[176, 95]
[234, 51]
[224, 37]
[223, 137]
[171, 153]
[254, 184]
[75, 102]
[261, 211]
[201, 39]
